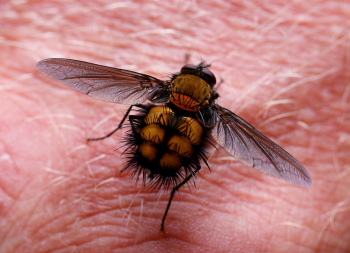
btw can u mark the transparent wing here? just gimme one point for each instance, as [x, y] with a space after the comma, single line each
[254, 149]
[104, 83]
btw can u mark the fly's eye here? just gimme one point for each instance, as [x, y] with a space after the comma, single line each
[189, 69]
[208, 76]
[200, 71]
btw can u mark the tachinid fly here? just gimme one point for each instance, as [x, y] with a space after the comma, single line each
[176, 119]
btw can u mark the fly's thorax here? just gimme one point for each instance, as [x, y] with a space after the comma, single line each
[169, 141]
[189, 92]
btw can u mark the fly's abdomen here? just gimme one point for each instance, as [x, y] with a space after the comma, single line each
[164, 145]
[189, 92]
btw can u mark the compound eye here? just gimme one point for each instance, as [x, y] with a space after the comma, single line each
[189, 69]
[208, 76]
[200, 71]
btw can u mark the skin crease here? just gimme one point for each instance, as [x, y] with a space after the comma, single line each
[286, 70]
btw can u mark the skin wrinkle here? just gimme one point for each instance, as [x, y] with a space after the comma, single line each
[238, 198]
[282, 28]
[85, 226]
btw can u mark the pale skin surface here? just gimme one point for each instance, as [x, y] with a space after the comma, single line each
[286, 70]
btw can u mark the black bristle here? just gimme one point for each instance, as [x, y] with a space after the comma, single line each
[154, 177]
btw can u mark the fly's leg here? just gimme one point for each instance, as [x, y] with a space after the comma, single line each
[115, 130]
[173, 191]
[187, 58]
[219, 84]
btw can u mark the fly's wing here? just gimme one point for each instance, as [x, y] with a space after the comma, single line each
[254, 149]
[104, 83]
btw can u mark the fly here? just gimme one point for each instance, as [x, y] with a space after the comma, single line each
[175, 122]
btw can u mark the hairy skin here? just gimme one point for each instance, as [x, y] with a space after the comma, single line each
[286, 70]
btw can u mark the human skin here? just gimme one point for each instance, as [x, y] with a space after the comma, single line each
[286, 70]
